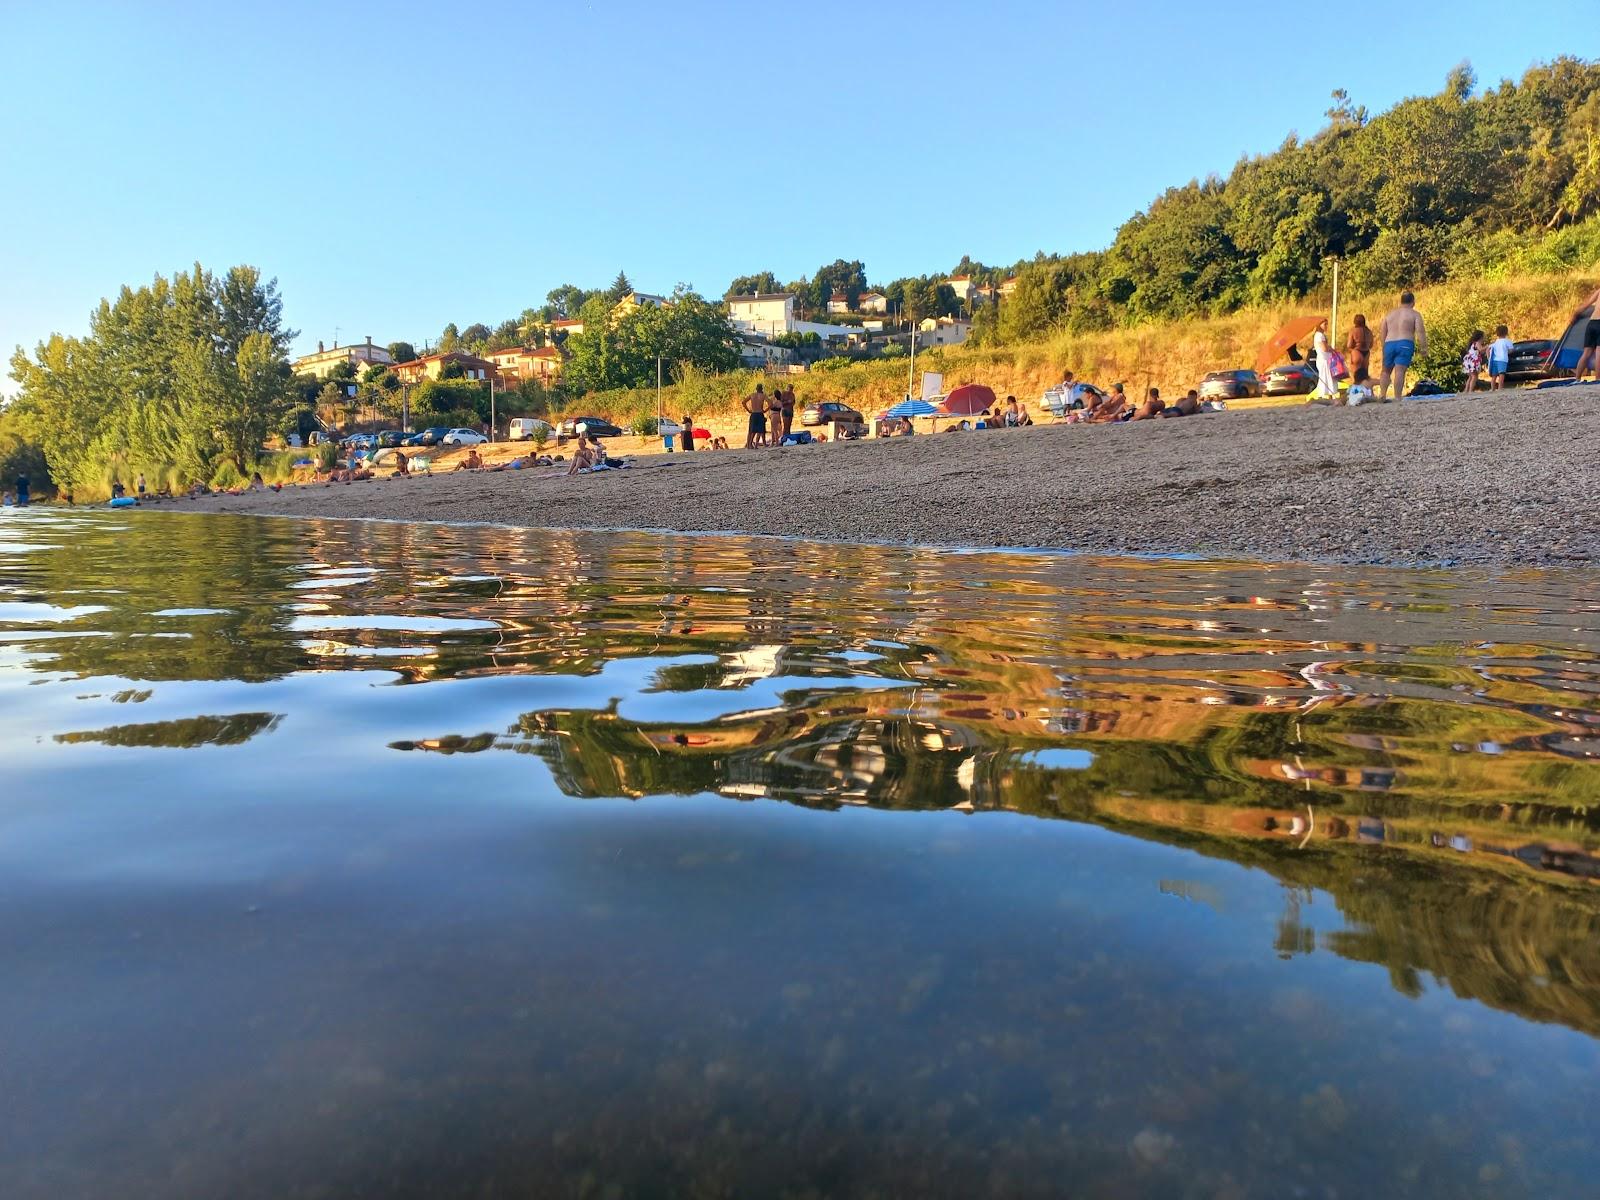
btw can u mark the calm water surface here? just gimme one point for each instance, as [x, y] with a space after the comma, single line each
[345, 859]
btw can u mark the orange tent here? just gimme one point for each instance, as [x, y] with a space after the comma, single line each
[1295, 330]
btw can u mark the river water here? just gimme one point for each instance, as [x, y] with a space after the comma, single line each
[348, 859]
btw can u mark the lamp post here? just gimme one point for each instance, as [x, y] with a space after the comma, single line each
[1333, 328]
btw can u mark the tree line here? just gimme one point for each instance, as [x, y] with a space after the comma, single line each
[174, 379]
[1460, 184]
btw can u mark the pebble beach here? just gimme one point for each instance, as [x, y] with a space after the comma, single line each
[1504, 479]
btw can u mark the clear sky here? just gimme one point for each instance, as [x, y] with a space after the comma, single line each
[398, 166]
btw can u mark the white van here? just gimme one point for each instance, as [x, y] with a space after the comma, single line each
[525, 429]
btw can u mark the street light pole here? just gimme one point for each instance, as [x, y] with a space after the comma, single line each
[491, 408]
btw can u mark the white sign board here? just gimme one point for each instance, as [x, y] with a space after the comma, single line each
[932, 385]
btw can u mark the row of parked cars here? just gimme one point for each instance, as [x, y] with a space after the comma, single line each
[434, 435]
[1529, 360]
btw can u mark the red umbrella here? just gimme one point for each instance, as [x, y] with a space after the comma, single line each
[967, 401]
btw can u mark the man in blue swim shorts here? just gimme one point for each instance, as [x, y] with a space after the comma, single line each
[1403, 337]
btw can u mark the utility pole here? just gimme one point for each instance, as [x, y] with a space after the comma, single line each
[911, 371]
[491, 408]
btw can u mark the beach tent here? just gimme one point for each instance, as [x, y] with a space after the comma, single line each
[1294, 331]
[968, 401]
[1569, 348]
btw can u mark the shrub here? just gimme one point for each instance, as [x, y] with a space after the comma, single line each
[645, 426]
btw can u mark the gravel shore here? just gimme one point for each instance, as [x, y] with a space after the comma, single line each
[1503, 479]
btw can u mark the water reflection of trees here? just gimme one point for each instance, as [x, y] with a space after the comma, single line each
[1347, 735]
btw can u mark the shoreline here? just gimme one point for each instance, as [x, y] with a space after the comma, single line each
[1501, 479]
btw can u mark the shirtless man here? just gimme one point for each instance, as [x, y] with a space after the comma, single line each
[1152, 407]
[1590, 360]
[1403, 337]
[756, 405]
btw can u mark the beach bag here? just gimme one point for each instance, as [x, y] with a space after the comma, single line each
[1336, 365]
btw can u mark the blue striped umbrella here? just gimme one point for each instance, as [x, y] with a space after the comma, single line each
[912, 408]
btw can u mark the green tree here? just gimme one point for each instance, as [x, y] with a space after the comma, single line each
[760, 283]
[620, 287]
[402, 352]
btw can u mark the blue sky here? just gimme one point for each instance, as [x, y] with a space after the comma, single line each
[400, 166]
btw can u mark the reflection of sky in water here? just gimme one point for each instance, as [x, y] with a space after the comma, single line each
[1248, 928]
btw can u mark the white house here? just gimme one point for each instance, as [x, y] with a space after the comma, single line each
[872, 302]
[770, 314]
[962, 286]
[838, 303]
[943, 331]
[324, 361]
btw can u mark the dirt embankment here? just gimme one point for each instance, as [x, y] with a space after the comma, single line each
[1507, 479]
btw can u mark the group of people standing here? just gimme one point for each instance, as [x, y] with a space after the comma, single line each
[1399, 338]
[771, 416]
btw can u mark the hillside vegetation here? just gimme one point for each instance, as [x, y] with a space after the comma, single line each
[1171, 355]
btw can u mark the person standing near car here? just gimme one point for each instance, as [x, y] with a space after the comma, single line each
[788, 409]
[1327, 385]
[1589, 361]
[1404, 337]
[1499, 357]
[687, 436]
[1358, 349]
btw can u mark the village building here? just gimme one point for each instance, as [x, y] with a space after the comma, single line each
[943, 331]
[322, 363]
[432, 366]
[517, 363]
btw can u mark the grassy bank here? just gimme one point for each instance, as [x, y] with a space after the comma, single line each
[1172, 357]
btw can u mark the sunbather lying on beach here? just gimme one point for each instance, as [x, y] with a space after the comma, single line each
[1151, 408]
[1187, 407]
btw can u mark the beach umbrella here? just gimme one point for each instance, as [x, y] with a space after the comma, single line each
[1295, 330]
[912, 408]
[968, 401]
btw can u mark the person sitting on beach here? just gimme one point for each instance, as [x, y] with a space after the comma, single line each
[472, 462]
[585, 455]
[1111, 408]
[1151, 408]
[1012, 418]
[1023, 419]
[719, 443]
[257, 484]
[402, 465]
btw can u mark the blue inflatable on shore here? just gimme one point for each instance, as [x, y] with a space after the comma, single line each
[124, 502]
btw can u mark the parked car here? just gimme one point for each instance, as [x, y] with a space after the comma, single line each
[831, 412]
[389, 438]
[462, 437]
[360, 441]
[431, 436]
[593, 426]
[1291, 379]
[1530, 360]
[1230, 385]
[524, 429]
